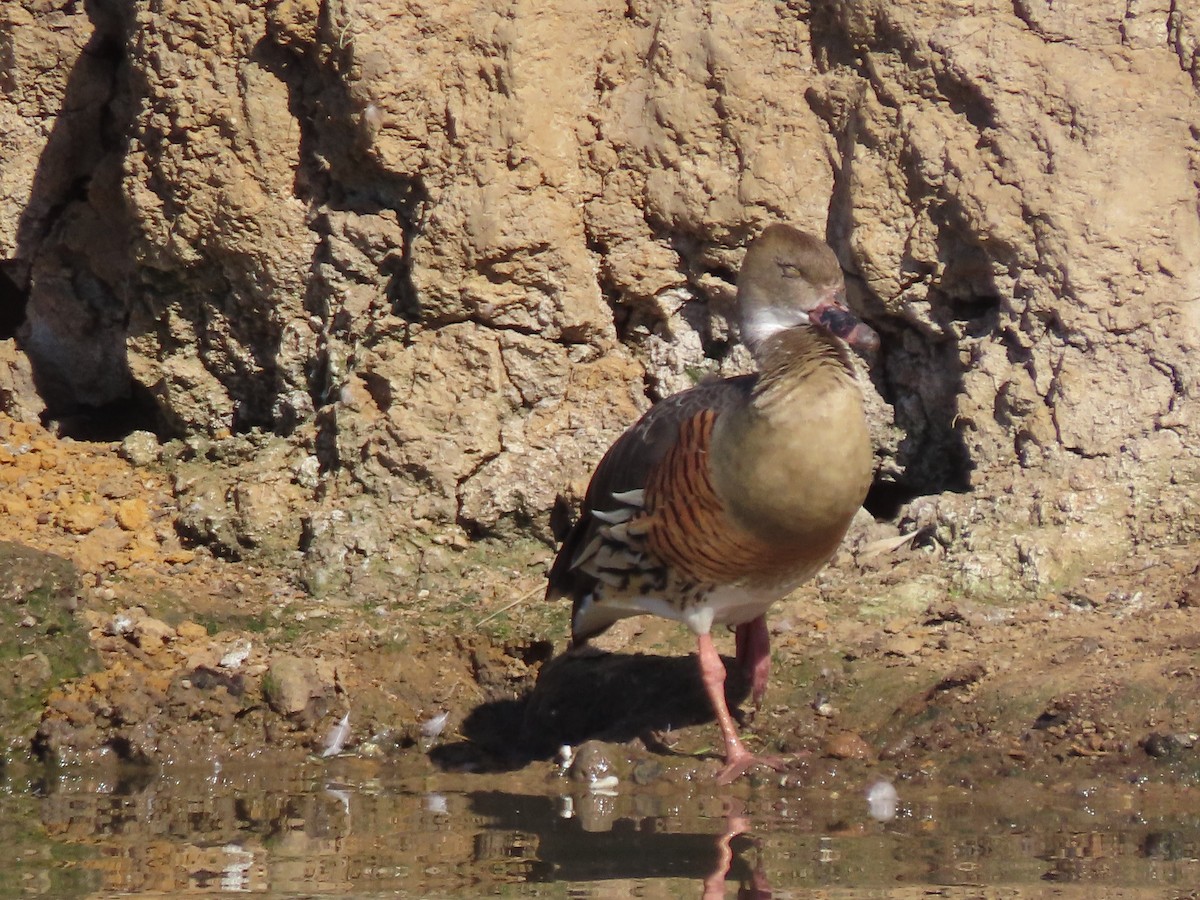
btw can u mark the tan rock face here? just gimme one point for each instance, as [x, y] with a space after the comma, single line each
[444, 252]
[1019, 190]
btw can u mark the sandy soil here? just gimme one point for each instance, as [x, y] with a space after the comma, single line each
[140, 648]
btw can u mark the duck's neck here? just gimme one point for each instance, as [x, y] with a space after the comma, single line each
[792, 358]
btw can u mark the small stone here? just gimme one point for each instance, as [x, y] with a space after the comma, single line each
[825, 709]
[592, 766]
[236, 655]
[80, 518]
[140, 448]
[101, 548]
[848, 745]
[647, 771]
[903, 645]
[307, 472]
[1165, 746]
[291, 684]
[191, 631]
[133, 514]
[151, 634]
[206, 658]
[120, 624]
[14, 506]
[114, 488]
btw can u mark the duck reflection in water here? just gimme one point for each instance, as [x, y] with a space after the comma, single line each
[581, 839]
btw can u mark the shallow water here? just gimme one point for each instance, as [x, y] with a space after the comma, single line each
[348, 829]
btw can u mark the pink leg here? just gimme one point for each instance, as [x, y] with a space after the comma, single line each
[737, 758]
[753, 644]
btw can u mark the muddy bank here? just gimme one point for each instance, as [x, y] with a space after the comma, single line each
[171, 654]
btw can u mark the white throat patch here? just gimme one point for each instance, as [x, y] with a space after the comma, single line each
[766, 321]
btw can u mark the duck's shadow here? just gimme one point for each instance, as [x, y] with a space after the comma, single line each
[613, 697]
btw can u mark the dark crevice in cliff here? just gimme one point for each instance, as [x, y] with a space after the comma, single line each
[14, 294]
[885, 499]
[341, 179]
[65, 295]
[921, 375]
[113, 421]
[604, 282]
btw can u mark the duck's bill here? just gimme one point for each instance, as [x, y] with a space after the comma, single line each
[839, 321]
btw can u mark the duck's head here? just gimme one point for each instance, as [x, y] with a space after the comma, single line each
[791, 279]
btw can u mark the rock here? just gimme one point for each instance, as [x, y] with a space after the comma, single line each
[848, 745]
[141, 448]
[18, 390]
[882, 801]
[32, 673]
[191, 631]
[299, 689]
[236, 654]
[152, 634]
[592, 766]
[1168, 746]
[246, 504]
[102, 548]
[81, 517]
[132, 514]
[307, 472]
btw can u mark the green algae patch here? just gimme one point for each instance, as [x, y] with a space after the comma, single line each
[42, 643]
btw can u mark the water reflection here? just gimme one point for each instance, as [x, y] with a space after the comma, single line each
[587, 839]
[344, 829]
